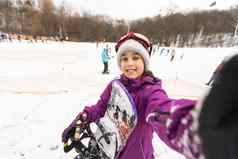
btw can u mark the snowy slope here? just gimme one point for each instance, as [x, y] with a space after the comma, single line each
[44, 86]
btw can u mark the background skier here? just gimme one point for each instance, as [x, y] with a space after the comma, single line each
[173, 52]
[105, 58]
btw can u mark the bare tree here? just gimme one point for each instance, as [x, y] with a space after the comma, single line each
[48, 17]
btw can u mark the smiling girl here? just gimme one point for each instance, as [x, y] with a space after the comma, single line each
[145, 91]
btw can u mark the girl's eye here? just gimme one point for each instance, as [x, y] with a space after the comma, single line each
[124, 59]
[135, 58]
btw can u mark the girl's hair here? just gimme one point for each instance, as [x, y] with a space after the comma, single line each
[148, 72]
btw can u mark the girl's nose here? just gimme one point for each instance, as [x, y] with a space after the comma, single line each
[130, 61]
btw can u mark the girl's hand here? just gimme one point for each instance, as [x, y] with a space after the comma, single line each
[79, 121]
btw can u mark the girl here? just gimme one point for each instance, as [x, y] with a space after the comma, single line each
[154, 108]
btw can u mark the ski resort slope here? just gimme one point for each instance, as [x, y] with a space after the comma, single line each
[44, 85]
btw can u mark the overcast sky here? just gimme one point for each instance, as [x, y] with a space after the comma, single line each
[133, 9]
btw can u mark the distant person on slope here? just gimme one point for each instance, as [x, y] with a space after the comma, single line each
[164, 51]
[152, 104]
[173, 52]
[105, 58]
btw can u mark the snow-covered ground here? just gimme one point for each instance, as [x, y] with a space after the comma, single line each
[43, 87]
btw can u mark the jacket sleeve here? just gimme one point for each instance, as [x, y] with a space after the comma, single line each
[173, 119]
[159, 100]
[95, 112]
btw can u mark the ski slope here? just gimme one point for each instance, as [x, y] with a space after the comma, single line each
[44, 85]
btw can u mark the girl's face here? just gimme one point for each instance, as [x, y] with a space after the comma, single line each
[132, 64]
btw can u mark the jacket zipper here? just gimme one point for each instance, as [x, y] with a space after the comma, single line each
[142, 150]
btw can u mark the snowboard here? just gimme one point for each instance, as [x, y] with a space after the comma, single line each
[118, 123]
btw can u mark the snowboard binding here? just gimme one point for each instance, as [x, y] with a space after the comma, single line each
[91, 149]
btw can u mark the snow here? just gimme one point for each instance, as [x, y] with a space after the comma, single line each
[44, 85]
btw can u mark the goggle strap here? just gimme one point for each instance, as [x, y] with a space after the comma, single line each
[131, 35]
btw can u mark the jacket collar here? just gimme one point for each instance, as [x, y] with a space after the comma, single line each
[133, 84]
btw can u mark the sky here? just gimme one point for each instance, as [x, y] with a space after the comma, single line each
[134, 9]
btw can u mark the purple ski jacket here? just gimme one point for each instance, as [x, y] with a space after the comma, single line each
[148, 96]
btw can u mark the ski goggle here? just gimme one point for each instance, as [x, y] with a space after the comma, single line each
[135, 36]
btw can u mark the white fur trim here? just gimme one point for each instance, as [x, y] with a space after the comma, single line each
[133, 45]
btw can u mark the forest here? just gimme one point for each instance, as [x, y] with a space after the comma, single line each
[44, 18]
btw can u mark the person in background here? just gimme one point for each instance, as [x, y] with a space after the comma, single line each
[173, 52]
[164, 51]
[105, 58]
[218, 119]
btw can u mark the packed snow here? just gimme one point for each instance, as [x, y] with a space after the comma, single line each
[44, 85]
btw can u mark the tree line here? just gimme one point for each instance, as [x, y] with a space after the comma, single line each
[43, 18]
